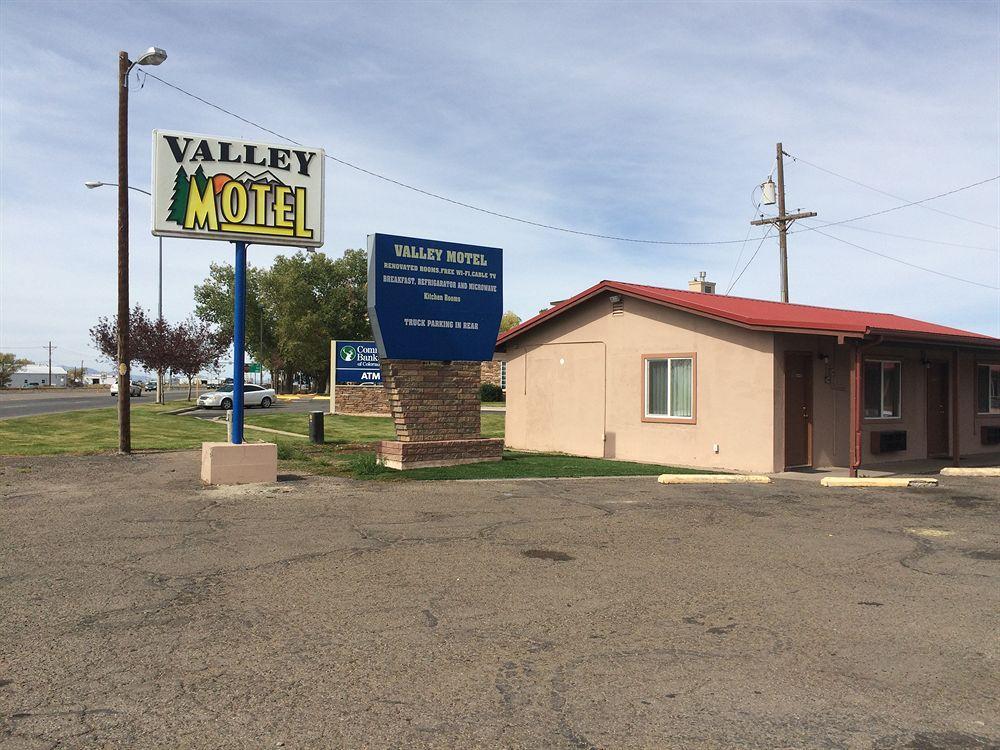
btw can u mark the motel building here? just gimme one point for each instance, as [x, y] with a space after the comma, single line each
[692, 378]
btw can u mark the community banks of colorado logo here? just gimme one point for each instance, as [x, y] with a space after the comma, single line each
[226, 189]
[348, 353]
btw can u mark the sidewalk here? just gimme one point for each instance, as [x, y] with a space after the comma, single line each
[890, 468]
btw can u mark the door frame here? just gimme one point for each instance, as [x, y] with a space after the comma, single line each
[809, 407]
[949, 450]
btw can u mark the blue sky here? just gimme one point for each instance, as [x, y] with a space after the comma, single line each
[651, 120]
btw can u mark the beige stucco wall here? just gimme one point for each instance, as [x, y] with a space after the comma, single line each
[969, 421]
[576, 385]
[831, 400]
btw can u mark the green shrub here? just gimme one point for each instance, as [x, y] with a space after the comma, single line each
[490, 392]
[287, 451]
[366, 466]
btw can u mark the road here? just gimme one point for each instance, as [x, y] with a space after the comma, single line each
[28, 403]
[143, 610]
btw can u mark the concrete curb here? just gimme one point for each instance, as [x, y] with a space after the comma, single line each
[714, 479]
[879, 482]
[981, 471]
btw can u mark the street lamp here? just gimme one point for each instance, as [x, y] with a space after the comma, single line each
[91, 184]
[152, 56]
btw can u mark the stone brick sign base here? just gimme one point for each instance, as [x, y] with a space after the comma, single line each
[395, 454]
[436, 410]
[360, 399]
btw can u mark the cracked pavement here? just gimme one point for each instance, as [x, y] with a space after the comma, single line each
[139, 610]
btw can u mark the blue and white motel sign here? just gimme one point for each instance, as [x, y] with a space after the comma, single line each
[434, 300]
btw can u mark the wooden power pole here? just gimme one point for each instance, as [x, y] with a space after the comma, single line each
[783, 221]
[124, 376]
[50, 347]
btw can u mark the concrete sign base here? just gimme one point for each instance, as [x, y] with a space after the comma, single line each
[246, 463]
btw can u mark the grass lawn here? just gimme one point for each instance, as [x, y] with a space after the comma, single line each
[96, 431]
[343, 429]
[539, 465]
[347, 451]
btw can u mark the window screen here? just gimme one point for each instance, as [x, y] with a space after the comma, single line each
[670, 387]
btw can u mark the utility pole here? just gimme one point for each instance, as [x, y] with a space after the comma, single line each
[783, 221]
[124, 382]
[50, 347]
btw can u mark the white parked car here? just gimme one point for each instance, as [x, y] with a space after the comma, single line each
[135, 389]
[253, 395]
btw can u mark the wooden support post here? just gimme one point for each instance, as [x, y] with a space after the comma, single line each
[956, 447]
[857, 405]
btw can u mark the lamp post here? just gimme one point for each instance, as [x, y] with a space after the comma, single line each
[152, 56]
[159, 297]
[91, 184]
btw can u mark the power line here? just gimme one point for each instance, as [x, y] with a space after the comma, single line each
[906, 262]
[743, 247]
[918, 239]
[897, 208]
[890, 195]
[430, 194]
[759, 246]
[509, 217]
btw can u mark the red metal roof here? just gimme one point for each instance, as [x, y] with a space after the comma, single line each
[768, 315]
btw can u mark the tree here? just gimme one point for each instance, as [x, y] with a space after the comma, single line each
[293, 310]
[105, 336]
[509, 320]
[76, 375]
[9, 364]
[157, 350]
[197, 346]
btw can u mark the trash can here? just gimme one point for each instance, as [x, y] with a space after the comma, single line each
[316, 427]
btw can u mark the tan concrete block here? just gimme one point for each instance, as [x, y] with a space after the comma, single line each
[714, 479]
[879, 482]
[971, 471]
[247, 463]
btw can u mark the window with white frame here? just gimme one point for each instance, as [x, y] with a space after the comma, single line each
[988, 389]
[883, 388]
[670, 387]
[503, 375]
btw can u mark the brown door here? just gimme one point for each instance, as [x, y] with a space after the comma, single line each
[937, 409]
[798, 409]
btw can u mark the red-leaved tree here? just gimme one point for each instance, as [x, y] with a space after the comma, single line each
[197, 346]
[158, 347]
[105, 336]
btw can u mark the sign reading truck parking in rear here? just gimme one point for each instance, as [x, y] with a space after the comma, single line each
[213, 188]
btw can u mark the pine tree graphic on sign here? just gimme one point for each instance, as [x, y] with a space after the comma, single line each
[200, 179]
[178, 204]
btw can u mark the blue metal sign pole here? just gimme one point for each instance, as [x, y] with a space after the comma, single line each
[239, 336]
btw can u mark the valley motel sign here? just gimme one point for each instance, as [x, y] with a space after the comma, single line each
[212, 188]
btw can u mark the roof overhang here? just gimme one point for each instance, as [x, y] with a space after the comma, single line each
[742, 322]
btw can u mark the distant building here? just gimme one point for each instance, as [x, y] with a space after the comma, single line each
[37, 376]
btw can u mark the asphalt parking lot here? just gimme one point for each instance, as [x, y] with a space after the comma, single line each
[141, 610]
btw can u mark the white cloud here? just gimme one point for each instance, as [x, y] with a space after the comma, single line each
[650, 120]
